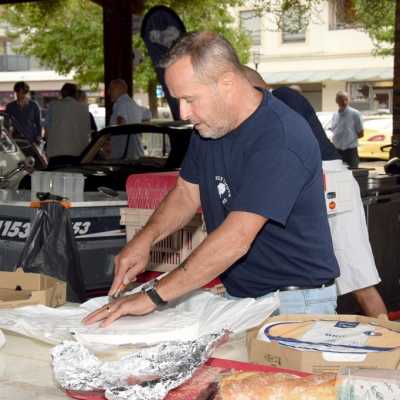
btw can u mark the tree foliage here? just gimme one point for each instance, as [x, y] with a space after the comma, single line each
[377, 17]
[67, 35]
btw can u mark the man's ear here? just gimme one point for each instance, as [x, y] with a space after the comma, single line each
[226, 79]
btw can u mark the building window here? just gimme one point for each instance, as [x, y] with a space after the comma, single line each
[342, 14]
[371, 96]
[250, 22]
[293, 26]
[360, 92]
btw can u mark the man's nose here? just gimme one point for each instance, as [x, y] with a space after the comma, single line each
[184, 110]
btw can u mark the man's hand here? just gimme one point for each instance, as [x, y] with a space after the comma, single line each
[130, 262]
[135, 304]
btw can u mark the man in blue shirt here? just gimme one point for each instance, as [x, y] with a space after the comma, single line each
[347, 128]
[23, 115]
[125, 111]
[255, 169]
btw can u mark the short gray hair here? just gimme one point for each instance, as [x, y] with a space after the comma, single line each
[121, 83]
[342, 95]
[210, 54]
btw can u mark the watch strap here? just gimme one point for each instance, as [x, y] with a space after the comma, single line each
[155, 297]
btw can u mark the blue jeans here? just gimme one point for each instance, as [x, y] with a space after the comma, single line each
[309, 301]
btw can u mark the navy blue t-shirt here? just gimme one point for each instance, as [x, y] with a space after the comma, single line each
[301, 105]
[271, 166]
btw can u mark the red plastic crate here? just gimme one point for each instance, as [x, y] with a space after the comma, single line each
[148, 190]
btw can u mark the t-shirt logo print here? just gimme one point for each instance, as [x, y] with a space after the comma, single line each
[223, 188]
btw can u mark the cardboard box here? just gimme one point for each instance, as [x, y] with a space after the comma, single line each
[171, 251]
[18, 289]
[313, 361]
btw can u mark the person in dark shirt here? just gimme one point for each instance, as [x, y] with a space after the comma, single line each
[358, 270]
[297, 102]
[23, 115]
[254, 167]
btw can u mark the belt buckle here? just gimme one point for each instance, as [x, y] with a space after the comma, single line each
[291, 288]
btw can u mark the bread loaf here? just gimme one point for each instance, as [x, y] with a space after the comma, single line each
[276, 386]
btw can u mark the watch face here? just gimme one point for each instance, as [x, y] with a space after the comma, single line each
[149, 285]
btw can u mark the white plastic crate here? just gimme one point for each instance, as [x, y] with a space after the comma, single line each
[171, 251]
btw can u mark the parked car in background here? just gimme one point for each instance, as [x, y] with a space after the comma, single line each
[325, 117]
[164, 113]
[378, 130]
[164, 144]
[99, 115]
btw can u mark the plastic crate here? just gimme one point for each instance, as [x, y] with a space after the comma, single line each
[171, 251]
[146, 191]
[64, 184]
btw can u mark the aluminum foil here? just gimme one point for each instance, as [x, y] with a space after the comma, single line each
[148, 374]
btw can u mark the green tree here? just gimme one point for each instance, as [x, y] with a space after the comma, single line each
[67, 35]
[377, 17]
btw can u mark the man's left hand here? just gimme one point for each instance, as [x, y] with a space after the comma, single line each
[135, 304]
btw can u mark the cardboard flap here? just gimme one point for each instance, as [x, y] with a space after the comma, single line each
[19, 289]
[11, 295]
[25, 281]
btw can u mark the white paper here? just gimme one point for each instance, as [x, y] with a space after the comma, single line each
[200, 313]
[2, 339]
[329, 332]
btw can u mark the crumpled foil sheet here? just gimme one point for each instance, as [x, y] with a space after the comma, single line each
[148, 374]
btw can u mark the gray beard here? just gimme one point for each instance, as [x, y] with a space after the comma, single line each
[217, 134]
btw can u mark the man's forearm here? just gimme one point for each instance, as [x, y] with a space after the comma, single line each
[216, 254]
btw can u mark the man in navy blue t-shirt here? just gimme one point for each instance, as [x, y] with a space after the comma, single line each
[255, 169]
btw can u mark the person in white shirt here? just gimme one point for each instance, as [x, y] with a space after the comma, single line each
[125, 111]
[67, 128]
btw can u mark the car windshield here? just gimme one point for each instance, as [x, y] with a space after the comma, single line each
[379, 124]
[124, 149]
[325, 118]
[100, 121]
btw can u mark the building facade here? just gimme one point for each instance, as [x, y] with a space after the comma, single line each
[327, 55]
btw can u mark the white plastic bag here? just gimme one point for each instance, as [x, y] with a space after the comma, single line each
[198, 314]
